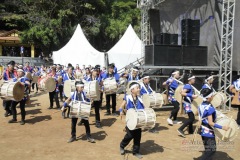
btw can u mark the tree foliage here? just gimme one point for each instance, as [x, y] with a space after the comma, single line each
[51, 23]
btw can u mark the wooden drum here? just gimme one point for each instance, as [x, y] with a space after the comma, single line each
[69, 87]
[50, 84]
[29, 76]
[142, 118]
[219, 99]
[154, 100]
[35, 79]
[92, 90]
[80, 109]
[12, 91]
[223, 120]
[110, 86]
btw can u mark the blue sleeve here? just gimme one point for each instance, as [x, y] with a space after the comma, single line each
[186, 87]
[210, 111]
[5, 78]
[116, 77]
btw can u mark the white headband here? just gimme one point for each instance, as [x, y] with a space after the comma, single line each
[191, 78]
[135, 69]
[133, 86]
[175, 72]
[80, 85]
[146, 77]
[208, 78]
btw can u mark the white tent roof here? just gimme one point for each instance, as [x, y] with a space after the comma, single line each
[127, 49]
[78, 51]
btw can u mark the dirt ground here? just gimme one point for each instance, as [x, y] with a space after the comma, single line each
[45, 136]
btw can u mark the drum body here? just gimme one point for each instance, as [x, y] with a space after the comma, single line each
[80, 109]
[35, 79]
[154, 100]
[50, 84]
[79, 75]
[92, 91]
[29, 76]
[143, 118]
[177, 94]
[69, 87]
[12, 91]
[110, 86]
[219, 99]
[223, 120]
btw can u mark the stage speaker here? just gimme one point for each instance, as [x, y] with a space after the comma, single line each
[166, 39]
[195, 55]
[190, 32]
[163, 55]
[154, 21]
[173, 39]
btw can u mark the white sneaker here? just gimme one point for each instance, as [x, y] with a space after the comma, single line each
[177, 122]
[170, 121]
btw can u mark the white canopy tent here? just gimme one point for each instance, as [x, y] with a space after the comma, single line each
[127, 49]
[78, 51]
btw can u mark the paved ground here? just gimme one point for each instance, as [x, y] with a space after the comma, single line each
[45, 136]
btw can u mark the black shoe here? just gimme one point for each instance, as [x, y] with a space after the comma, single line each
[50, 107]
[107, 114]
[138, 155]
[181, 132]
[12, 121]
[6, 114]
[122, 151]
[72, 139]
[115, 114]
[22, 122]
[90, 139]
[98, 125]
[153, 130]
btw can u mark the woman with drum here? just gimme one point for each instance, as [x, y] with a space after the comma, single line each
[36, 73]
[172, 85]
[24, 81]
[67, 76]
[79, 95]
[145, 86]
[188, 96]
[132, 101]
[207, 115]
[96, 103]
[133, 76]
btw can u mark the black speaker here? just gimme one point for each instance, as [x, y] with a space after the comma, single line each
[166, 39]
[149, 55]
[195, 55]
[190, 32]
[154, 21]
[163, 55]
[173, 39]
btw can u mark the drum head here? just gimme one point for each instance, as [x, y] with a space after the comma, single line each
[177, 94]
[50, 84]
[18, 91]
[195, 104]
[29, 75]
[69, 86]
[35, 79]
[131, 118]
[229, 135]
[146, 100]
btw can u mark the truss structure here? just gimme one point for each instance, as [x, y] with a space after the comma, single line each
[225, 78]
[145, 5]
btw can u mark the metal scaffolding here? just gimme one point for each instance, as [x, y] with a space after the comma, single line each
[225, 78]
[145, 5]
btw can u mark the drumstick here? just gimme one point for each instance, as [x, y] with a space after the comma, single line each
[229, 128]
